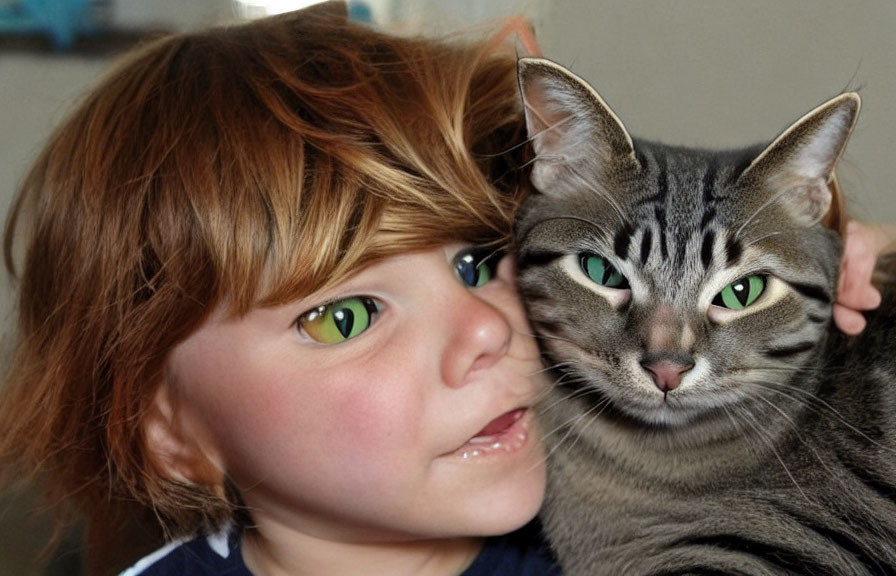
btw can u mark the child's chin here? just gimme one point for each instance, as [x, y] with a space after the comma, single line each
[514, 511]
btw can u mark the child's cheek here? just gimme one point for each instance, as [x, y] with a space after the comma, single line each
[372, 422]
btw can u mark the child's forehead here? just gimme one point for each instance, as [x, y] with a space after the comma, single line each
[287, 285]
[387, 275]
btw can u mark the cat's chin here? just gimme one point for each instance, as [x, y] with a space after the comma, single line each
[666, 416]
[660, 412]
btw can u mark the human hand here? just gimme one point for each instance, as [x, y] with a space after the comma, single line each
[862, 245]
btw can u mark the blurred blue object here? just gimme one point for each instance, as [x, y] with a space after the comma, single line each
[61, 20]
[360, 11]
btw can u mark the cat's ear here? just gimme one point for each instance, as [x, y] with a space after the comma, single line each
[568, 122]
[799, 164]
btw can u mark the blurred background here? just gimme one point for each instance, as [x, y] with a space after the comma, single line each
[694, 72]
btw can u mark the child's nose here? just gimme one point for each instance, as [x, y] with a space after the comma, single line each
[480, 335]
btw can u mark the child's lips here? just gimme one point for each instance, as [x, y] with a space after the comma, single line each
[500, 424]
[507, 433]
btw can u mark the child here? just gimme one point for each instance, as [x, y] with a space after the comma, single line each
[263, 296]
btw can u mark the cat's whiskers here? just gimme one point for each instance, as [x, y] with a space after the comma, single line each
[564, 396]
[554, 337]
[777, 385]
[737, 427]
[547, 390]
[761, 238]
[591, 185]
[548, 368]
[808, 370]
[771, 201]
[750, 419]
[504, 151]
[572, 395]
[581, 421]
[535, 135]
[847, 491]
[790, 372]
[822, 409]
[571, 423]
[796, 430]
[548, 126]
[552, 157]
[799, 437]
[781, 412]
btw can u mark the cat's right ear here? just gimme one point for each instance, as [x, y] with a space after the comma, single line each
[800, 163]
[569, 124]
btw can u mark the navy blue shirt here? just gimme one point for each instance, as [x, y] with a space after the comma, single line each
[520, 553]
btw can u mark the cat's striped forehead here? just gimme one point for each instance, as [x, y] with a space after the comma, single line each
[678, 224]
[680, 210]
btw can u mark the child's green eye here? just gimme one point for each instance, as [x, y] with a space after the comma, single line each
[476, 268]
[601, 271]
[740, 294]
[339, 321]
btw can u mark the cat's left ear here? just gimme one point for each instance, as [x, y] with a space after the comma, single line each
[799, 164]
[569, 124]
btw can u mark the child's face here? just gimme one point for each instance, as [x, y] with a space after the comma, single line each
[393, 433]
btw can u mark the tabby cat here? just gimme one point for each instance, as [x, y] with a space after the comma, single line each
[706, 417]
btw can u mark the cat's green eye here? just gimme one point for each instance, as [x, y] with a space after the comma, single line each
[740, 294]
[475, 267]
[339, 321]
[601, 271]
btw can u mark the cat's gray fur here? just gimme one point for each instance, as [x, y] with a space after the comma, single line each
[774, 453]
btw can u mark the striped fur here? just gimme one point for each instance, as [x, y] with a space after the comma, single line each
[774, 454]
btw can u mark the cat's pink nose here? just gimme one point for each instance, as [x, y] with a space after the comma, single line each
[667, 374]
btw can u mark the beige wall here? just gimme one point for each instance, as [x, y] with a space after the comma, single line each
[733, 72]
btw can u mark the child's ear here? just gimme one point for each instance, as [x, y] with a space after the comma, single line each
[175, 447]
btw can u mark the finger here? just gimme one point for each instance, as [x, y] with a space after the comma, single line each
[859, 257]
[848, 321]
[859, 297]
[869, 299]
[857, 292]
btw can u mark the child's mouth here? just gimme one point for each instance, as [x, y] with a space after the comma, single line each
[506, 433]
